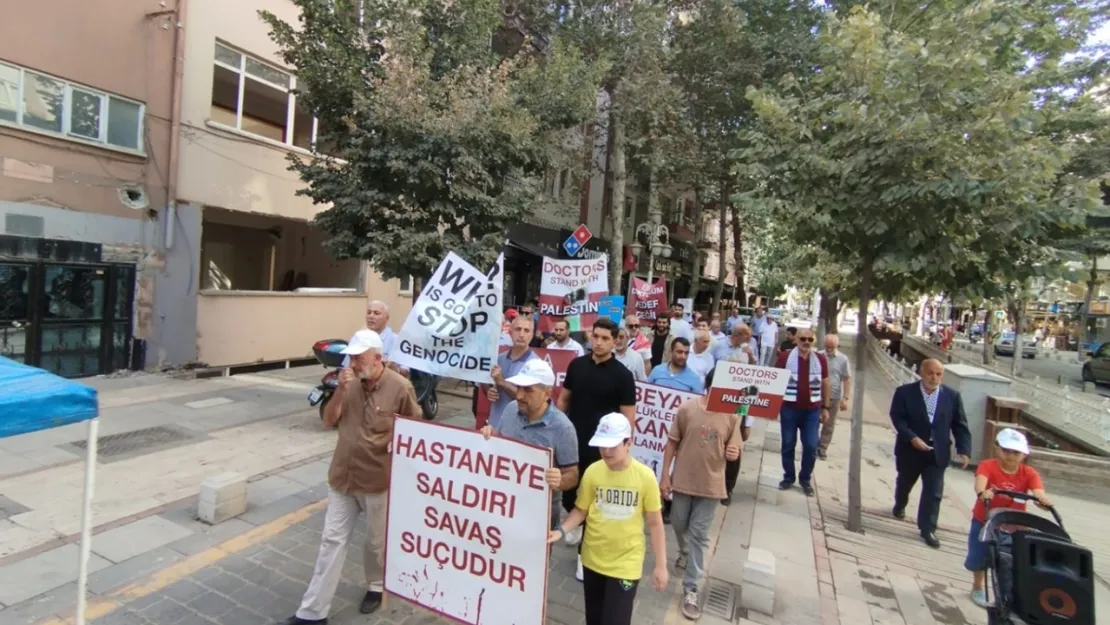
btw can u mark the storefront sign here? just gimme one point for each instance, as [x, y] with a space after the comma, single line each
[748, 390]
[454, 327]
[649, 300]
[656, 407]
[468, 521]
[559, 359]
[572, 289]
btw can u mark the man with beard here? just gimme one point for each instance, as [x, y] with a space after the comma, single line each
[368, 396]
[805, 406]
[661, 341]
[675, 374]
[561, 339]
[596, 384]
[509, 363]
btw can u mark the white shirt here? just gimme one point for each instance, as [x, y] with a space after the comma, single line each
[770, 333]
[571, 346]
[718, 337]
[681, 327]
[634, 362]
[702, 363]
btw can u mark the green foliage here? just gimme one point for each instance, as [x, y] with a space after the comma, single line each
[441, 139]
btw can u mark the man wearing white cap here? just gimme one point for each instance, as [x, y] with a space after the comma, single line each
[616, 496]
[368, 396]
[534, 419]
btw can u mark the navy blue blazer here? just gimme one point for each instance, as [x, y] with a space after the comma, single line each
[910, 419]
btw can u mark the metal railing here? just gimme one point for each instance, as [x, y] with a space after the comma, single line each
[899, 370]
[1085, 416]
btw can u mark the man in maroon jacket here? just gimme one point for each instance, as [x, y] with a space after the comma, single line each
[805, 407]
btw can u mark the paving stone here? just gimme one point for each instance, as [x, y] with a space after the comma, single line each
[212, 605]
[47, 605]
[43, 572]
[185, 591]
[138, 537]
[253, 596]
[122, 617]
[240, 616]
[275, 510]
[166, 611]
[128, 571]
[207, 536]
[225, 583]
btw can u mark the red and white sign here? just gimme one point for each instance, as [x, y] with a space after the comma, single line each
[572, 289]
[583, 234]
[468, 521]
[559, 359]
[656, 407]
[747, 390]
[649, 300]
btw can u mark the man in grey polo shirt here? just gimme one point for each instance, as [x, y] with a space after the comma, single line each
[840, 390]
[534, 419]
[509, 364]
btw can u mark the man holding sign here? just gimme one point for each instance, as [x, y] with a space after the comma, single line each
[805, 406]
[534, 419]
[509, 364]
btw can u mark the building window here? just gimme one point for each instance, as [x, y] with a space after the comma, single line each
[36, 101]
[257, 98]
[406, 285]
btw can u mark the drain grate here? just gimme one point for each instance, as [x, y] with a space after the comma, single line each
[126, 444]
[720, 599]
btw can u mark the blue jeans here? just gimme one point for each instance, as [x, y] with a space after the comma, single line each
[808, 421]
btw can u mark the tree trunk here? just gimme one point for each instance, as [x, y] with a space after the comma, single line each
[738, 255]
[616, 209]
[699, 235]
[1017, 310]
[859, 388]
[722, 249]
[987, 319]
[830, 309]
[1088, 320]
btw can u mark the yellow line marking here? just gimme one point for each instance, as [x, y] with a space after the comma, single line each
[106, 604]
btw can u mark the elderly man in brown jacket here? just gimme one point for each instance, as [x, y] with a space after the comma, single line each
[368, 396]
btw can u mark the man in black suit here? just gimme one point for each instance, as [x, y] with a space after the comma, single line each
[927, 416]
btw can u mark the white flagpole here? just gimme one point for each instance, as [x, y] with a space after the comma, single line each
[86, 521]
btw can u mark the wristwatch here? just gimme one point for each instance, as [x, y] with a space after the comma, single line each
[562, 532]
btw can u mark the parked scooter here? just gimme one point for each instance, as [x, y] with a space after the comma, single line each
[328, 353]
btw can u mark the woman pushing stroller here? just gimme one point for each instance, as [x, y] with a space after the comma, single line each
[1007, 471]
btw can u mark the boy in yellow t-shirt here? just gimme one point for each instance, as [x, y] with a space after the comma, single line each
[615, 496]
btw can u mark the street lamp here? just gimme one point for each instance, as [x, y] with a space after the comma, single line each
[655, 237]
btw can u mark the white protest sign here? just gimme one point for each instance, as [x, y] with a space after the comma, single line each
[572, 290]
[468, 521]
[454, 327]
[656, 407]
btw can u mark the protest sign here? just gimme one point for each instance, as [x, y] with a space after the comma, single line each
[572, 289]
[649, 300]
[655, 411]
[468, 521]
[454, 328]
[687, 304]
[612, 306]
[559, 359]
[747, 390]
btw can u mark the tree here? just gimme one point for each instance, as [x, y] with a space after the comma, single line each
[910, 143]
[442, 139]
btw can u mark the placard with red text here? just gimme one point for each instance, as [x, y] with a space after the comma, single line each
[747, 389]
[655, 410]
[559, 359]
[468, 521]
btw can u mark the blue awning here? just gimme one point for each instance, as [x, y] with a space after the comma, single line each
[32, 399]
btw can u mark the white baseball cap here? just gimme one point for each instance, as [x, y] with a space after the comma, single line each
[535, 371]
[612, 430]
[1013, 440]
[362, 342]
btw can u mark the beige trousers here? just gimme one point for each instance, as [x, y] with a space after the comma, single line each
[339, 526]
[829, 427]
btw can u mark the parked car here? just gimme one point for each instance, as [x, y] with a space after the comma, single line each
[1097, 369]
[1005, 346]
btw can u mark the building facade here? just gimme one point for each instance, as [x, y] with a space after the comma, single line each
[85, 108]
[259, 285]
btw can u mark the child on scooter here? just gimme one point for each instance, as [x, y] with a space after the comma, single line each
[1006, 471]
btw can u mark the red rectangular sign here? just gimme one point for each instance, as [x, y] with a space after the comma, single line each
[559, 359]
[747, 390]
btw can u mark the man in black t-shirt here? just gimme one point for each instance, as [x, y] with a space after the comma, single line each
[596, 384]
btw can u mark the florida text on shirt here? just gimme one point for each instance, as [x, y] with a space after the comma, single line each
[616, 504]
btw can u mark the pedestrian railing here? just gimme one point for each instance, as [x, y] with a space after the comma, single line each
[1084, 415]
[899, 370]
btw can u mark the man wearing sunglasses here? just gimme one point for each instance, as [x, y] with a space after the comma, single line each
[805, 407]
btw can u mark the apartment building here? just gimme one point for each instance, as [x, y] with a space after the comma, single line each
[85, 108]
[265, 287]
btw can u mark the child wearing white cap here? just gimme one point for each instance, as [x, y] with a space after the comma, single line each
[615, 496]
[1006, 471]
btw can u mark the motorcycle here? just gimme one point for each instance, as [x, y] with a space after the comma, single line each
[328, 354]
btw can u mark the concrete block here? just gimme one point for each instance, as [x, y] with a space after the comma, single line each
[222, 497]
[759, 568]
[1088, 387]
[758, 599]
[772, 439]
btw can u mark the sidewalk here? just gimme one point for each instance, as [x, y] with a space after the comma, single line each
[159, 439]
[886, 575]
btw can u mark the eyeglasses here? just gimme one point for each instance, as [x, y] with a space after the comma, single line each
[805, 339]
[633, 327]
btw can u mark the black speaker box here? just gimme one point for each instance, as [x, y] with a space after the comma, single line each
[1053, 580]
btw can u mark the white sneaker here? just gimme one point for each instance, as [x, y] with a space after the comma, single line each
[979, 598]
[578, 573]
[574, 536]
